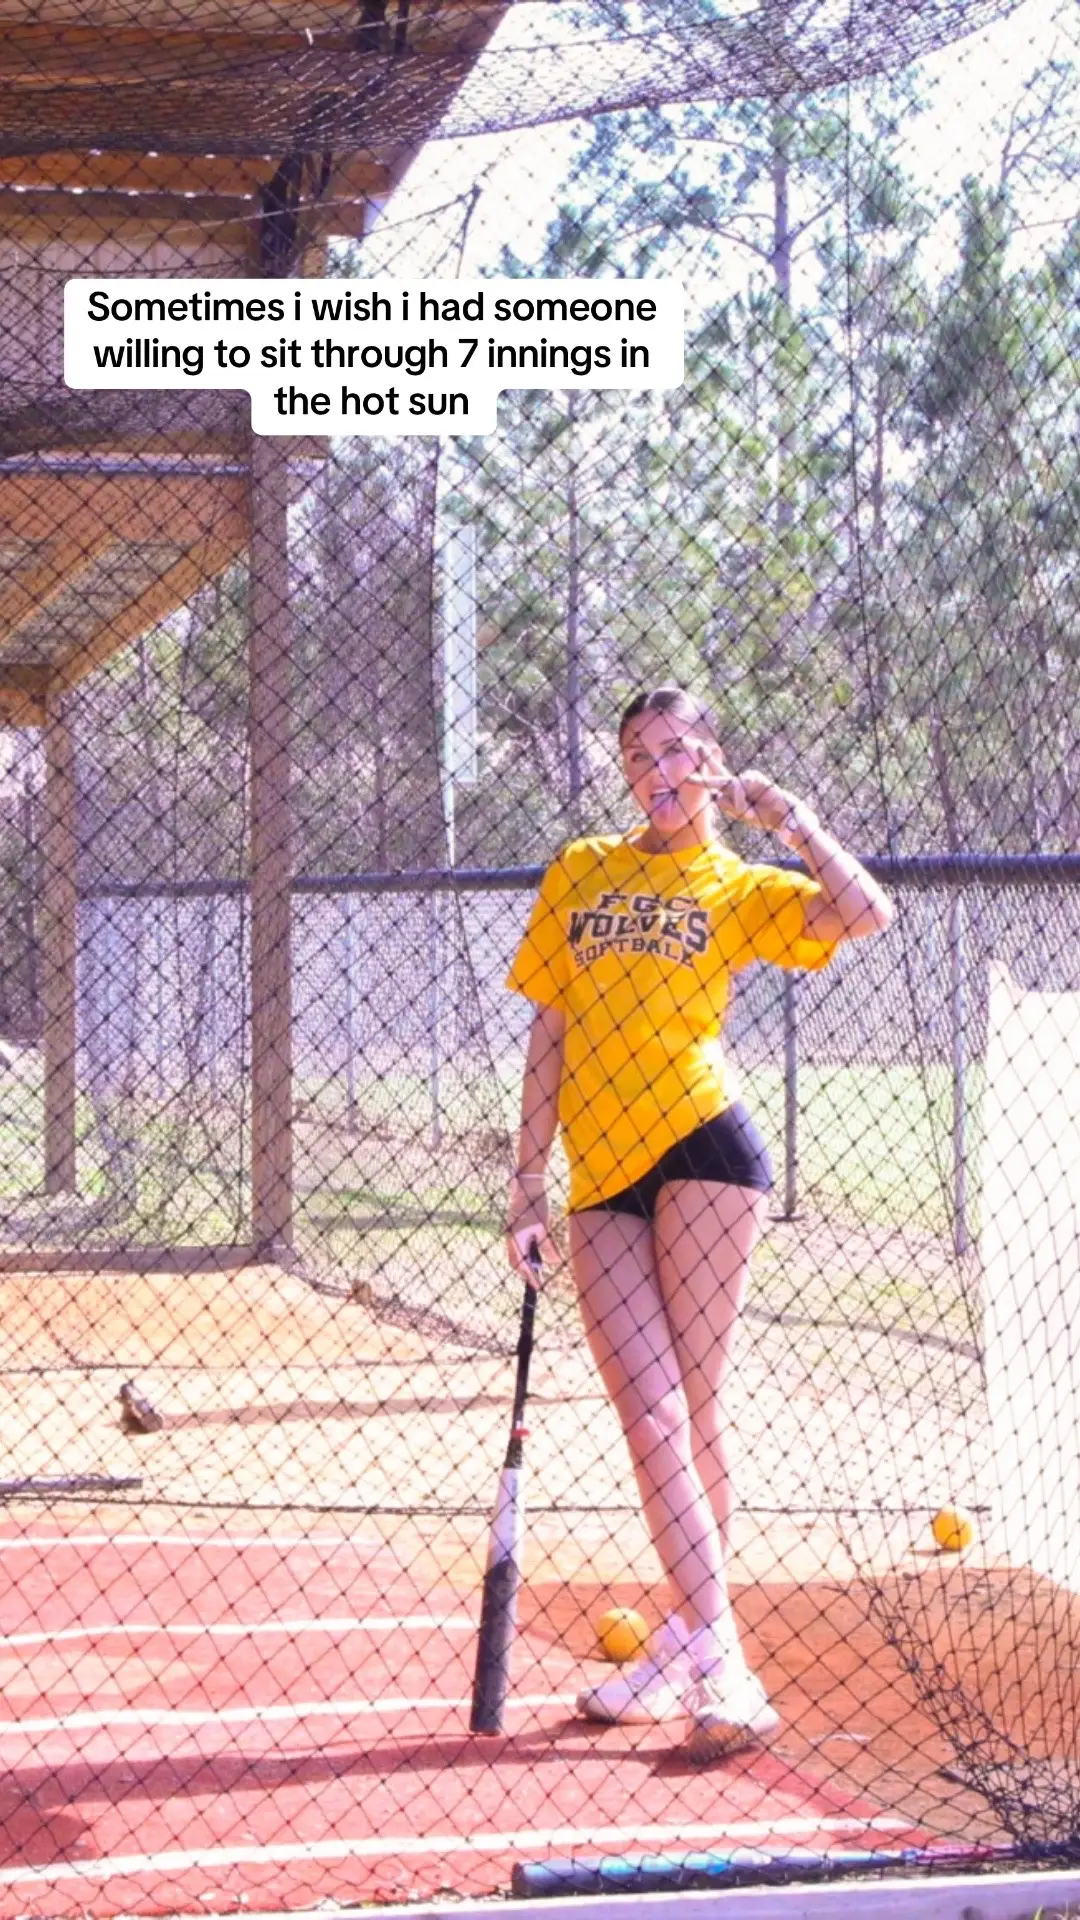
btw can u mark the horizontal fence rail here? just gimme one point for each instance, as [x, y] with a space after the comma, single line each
[911, 870]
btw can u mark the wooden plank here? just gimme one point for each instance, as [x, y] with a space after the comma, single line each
[18, 709]
[25, 593]
[226, 177]
[71, 427]
[92, 220]
[20, 705]
[58, 950]
[356, 184]
[345, 101]
[60, 209]
[232, 175]
[230, 219]
[175, 586]
[73, 56]
[90, 508]
[38, 57]
[23, 690]
[270, 736]
[247, 16]
[366, 118]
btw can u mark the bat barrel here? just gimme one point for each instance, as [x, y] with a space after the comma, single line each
[498, 1607]
[498, 1616]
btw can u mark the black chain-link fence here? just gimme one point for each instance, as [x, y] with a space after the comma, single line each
[295, 729]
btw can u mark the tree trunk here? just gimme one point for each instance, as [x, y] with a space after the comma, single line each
[780, 260]
[877, 476]
[59, 941]
[271, 724]
[433, 834]
[939, 754]
[381, 785]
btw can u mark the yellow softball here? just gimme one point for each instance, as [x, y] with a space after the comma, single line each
[621, 1633]
[953, 1529]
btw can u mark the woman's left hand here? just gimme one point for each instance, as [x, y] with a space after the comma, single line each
[755, 799]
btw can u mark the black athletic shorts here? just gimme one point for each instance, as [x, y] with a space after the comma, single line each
[728, 1151]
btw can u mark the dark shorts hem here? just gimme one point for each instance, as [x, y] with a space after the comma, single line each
[727, 1151]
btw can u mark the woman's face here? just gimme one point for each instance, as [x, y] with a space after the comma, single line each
[663, 758]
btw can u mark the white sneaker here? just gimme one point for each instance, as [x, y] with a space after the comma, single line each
[730, 1710]
[652, 1689]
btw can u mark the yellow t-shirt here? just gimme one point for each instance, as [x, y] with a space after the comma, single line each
[638, 949]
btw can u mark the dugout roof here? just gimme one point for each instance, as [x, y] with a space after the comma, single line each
[173, 139]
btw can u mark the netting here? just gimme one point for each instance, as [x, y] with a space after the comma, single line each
[294, 733]
[240, 78]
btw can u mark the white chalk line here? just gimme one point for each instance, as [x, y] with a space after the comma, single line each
[234, 1629]
[214, 1859]
[282, 1710]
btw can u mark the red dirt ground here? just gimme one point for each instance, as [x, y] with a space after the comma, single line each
[201, 1715]
[324, 1763]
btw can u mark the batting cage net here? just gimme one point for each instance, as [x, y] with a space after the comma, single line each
[365, 934]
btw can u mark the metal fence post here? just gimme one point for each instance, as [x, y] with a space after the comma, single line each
[435, 1006]
[159, 996]
[791, 1097]
[961, 1234]
[349, 932]
[212, 1026]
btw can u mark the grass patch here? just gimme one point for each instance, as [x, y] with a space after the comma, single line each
[875, 1141]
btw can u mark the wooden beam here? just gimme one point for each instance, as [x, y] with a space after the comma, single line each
[320, 99]
[159, 423]
[203, 19]
[66, 55]
[62, 211]
[175, 586]
[355, 183]
[95, 40]
[134, 223]
[65, 58]
[65, 214]
[25, 593]
[270, 734]
[121, 507]
[232, 176]
[58, 947]
[23, 691]
[173, 173]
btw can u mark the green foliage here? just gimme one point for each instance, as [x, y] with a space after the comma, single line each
[855, 526]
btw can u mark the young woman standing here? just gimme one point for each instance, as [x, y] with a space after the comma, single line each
[628, 956]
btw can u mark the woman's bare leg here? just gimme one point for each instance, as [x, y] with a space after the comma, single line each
[704, 1235]
[630, 1339]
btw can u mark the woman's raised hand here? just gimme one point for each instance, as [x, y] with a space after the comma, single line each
[752, 797]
